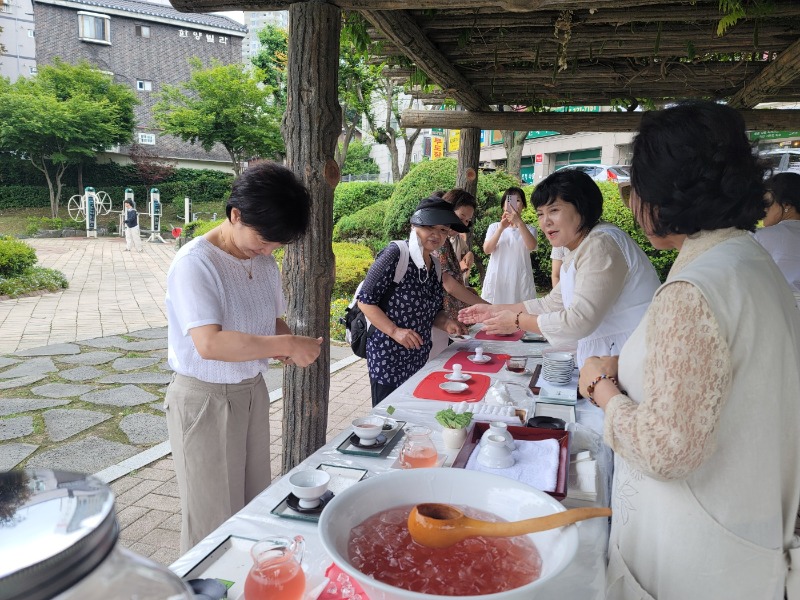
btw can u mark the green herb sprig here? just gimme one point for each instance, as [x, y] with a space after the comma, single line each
[452, 420]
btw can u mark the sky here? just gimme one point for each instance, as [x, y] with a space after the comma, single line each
[236, 15]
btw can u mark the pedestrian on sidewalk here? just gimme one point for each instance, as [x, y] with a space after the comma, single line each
[132, 234]
[224, 307]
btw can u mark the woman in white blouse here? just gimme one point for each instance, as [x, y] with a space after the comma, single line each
[224, 308]
[781, 232]
[606, 282]
[707, 452]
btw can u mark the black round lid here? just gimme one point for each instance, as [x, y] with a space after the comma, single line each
[55, 528]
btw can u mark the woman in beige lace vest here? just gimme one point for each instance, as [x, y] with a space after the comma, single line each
[707, 466]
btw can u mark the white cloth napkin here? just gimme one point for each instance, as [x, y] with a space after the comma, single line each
[536, 463]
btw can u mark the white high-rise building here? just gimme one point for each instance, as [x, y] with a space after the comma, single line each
[255, 21]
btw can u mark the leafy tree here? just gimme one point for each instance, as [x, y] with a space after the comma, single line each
[387, 130]
[358, 161]
[223, 104]
[151, 168]
[271, 60]
[64, 116]
[358, 81]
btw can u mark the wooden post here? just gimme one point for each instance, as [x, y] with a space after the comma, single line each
[469, 154]
[311, 127]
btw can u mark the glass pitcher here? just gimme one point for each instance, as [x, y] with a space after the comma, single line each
[418, 449]
[276, 573]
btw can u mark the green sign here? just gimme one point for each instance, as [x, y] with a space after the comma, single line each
[437, 131]
[540, 134]
[577, 109]
[771, 135]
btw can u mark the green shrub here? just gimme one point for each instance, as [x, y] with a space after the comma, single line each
[364, 224]
[36, 224]
[349, 198]
[352, 263]
[33, 279]
[15, 257]
[338, 307]
[24, 196]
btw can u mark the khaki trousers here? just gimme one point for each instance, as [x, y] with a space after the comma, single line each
[220, 446]
[133, 238]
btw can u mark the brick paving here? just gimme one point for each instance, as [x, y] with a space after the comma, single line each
[116, 293]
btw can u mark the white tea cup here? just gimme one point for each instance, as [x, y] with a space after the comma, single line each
[309, 486]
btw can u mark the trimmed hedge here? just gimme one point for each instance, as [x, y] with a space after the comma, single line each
[24, 196]
[15, 257]
[363, 224]
[349, 198]
[352, 263]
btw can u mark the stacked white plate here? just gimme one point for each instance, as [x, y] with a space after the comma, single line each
[557, 367]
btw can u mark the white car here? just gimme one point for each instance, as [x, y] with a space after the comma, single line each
[615, 173]
[782, 159]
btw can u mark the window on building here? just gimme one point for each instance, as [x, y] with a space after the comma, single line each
[93, 27]
[143, 31]
[33, 70]
[5, 6]
[30, 33]
[147, 138]
[144, 86]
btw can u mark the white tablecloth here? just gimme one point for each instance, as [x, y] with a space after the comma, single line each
[582, 580]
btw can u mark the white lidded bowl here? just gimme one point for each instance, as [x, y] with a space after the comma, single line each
[368, 429]
[507, 498]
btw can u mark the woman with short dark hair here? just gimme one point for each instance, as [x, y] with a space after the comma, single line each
[780, 235]
[707, 453]
[606, 280]
[224, 307]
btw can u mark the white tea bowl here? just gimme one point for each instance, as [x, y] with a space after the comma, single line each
[309, 486]
[368, 429]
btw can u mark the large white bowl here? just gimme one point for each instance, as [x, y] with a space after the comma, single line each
[504, 497]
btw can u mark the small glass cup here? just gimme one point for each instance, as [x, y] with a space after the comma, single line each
[516, 364]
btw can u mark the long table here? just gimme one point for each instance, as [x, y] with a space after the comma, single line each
[582, 580]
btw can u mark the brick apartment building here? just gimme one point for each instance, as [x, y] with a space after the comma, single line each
[144, 45]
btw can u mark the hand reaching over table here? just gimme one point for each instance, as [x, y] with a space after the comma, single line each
[477, 313]
[504, 321]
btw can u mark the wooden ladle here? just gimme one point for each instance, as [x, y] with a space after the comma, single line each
[442, 525]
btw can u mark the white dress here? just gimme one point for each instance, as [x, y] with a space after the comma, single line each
[509, 276]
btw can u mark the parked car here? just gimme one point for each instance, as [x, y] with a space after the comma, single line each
[616, 173]
[782, 159]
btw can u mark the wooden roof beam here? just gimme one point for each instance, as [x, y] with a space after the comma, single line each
[401, 29]
[782, 70]
[567, 123]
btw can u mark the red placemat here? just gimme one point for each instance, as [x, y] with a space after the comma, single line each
[514, 337]
[428, 388]
[493, 366]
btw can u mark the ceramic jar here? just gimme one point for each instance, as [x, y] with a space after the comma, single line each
[454, 438]
[500, 429]
[495, 454]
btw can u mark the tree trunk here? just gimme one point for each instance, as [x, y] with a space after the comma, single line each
[409, 150]
[469, 154]
[341, 151]
[43, 169]
[513, 141]
[311, 127]
[80, 178]
[394, 153]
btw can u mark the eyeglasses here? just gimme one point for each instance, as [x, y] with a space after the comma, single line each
[625, 192]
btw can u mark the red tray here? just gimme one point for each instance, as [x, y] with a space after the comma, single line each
[513, 337]
[524, 433]
[428, 388]
[496, 363]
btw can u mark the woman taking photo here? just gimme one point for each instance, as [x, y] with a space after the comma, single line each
[404, 314]
[606, 281]
[781, 232]
[509, 243]
[224, 308]
[707, 453]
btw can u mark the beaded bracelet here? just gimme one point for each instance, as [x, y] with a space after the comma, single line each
[591, 386]
[516, 321]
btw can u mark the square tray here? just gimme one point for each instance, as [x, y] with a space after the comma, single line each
[392, 438]
[524, 433]
[229, 562]
[341, 479]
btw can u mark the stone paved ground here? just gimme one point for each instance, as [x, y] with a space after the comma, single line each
[95, 405]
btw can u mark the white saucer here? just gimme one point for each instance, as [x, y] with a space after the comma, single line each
[485, 359]
[462, 377]
[453, 387]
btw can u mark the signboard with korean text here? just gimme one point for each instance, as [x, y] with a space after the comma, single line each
[454, 140]
[437, 147]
